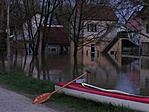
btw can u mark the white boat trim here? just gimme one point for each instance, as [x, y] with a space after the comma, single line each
[105, 99]
[101, 89]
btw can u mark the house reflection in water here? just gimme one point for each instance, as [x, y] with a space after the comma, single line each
[129, 74]
[126, 73]
[59, 68]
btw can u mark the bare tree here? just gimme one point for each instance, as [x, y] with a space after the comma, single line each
[78, 16]
[49, 7]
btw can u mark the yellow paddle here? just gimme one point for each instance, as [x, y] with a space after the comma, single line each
[43, 97]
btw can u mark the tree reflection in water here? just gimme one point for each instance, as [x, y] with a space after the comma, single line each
[123, 73]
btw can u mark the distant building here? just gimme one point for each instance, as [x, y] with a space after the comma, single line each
[26, 38]
[57, 40]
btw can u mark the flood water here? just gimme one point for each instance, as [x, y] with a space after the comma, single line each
[126, 73]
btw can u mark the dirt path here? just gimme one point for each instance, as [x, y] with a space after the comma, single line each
[11, 101]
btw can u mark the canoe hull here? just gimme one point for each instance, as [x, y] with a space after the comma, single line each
[106, 99]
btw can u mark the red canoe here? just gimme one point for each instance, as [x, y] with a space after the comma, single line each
[90, 92]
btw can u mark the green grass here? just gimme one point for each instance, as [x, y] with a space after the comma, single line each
[24, 84]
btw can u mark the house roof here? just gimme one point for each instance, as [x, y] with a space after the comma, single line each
[98, 12]
[134, 23]
[57, 35]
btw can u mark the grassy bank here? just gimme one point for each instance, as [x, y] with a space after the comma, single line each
[36, 87]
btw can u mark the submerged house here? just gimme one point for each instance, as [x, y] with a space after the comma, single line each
[57, 40]
[132, 45]
[138, 30]
[100, 33]
[99, 29]
[134, 40]
[26, 40]
[26, 37]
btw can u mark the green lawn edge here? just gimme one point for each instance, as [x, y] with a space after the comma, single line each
[33, 86]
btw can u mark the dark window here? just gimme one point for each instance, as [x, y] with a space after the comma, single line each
[92, 52]
[92, 27]
[92, 48]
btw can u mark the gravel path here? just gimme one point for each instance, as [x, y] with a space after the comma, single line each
[14, 102]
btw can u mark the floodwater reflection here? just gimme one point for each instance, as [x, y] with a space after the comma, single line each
[126, 73]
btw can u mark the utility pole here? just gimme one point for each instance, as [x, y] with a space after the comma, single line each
[8, 30]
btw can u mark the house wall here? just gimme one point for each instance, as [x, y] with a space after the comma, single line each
[100, 39]
[92, 63]
[106, 32]
[117, 48]
[84, 54]
[89, 56]
[26, 37]
[104, 29]
[35, 21]
[145, 40]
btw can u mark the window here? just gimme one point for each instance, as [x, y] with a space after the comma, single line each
[92, 52]
[92, 48]
[53, 49]
[147, 28]
[92, 27]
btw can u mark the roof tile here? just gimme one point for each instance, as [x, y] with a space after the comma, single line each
[57, 35]
[98, 12]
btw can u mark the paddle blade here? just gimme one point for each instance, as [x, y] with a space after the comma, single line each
[41, 98]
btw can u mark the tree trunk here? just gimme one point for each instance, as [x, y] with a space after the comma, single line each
[8, 32]
[75, 69]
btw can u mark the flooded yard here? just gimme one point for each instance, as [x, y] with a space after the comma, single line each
[126, 73]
